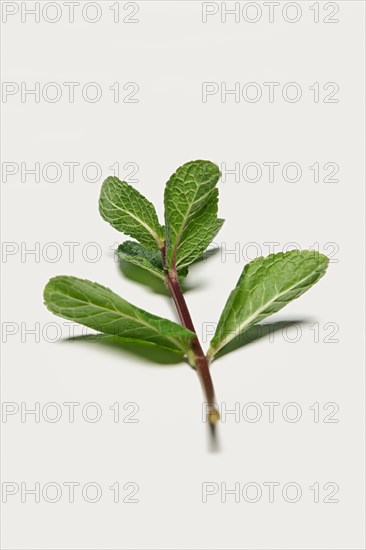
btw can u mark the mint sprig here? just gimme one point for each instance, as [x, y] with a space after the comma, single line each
[265, 286]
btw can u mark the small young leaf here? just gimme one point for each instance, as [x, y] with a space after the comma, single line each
[130, 212]
[99, 308]
[187, 192]
[265, 286]
[136, 254]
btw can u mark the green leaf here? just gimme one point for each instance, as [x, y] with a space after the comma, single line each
[130, 212]
[189, 190]
[99, 308]
[199, 233]
[265, 286]
[136, 254]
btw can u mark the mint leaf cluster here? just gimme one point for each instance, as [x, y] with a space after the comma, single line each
[265, 286]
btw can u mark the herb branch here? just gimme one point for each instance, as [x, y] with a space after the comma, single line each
[264, 287]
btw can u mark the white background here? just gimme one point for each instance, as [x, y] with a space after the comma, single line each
[169, 53]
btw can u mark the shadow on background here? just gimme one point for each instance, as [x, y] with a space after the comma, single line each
[148, 353]
[142, 276]
[258, 332]
[160, 356]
